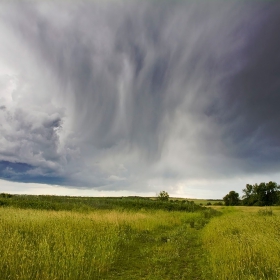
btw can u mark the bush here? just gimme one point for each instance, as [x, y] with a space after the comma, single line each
[218, 203]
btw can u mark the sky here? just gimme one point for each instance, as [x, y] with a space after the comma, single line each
[116, 98]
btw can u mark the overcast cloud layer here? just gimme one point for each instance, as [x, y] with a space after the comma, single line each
[140, 95]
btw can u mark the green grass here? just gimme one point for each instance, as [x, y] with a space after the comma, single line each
[103, 244]
[83, 204]
[244, 243]
[46, 237]
[204, 202]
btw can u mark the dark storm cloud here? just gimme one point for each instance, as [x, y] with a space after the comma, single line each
[151, 44]
[129, 95]
[92, 64]
[22, 172]
[249, 104]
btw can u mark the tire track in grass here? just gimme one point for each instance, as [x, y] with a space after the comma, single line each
[164, 253]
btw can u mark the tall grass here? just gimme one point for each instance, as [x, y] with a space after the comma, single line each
[243, 246]
[40, 244]
[48, 245]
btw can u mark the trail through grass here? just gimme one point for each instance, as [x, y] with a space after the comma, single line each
[243, 243]
[39, 244]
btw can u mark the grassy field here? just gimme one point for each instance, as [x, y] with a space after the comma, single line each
[103, 244]
[131, 239]
[205, 202]
[83, 204]
[244, 243]
[202, 202]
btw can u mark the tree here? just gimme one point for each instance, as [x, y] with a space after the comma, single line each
[163, 196]
[249, 197]
[261, 194]
[231, 199]
[272, 190]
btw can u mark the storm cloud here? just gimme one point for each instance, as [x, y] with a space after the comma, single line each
[139, 95]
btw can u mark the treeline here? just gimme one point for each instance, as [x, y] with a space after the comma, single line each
[57, 203]
[263, 194]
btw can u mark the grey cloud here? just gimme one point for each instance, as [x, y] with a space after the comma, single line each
[29, 137]
[164, 90]
[93, 66]
[248, 108]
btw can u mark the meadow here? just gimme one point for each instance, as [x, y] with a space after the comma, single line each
[244, 243]
[130, 239]
[104, 244]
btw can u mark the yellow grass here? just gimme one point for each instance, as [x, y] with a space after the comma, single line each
[244, 244]
[37, 244]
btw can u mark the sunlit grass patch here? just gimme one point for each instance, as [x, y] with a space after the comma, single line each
[102, 244]
[48, 245]
[243, 245]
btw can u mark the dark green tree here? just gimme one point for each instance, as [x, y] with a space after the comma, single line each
[231, 199]
[163, 196]
[272, 190]
[261, 194]
[249, 197]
